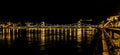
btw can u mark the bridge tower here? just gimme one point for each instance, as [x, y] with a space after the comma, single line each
[79, 23]
[42, 23]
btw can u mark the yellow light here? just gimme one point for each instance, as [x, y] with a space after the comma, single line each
[119, 24]
[43, 36]
[79, 33]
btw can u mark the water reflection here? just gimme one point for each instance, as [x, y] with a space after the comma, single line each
[42, 39]
[48, 39]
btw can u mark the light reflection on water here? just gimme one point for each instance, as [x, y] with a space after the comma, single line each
[44, 39]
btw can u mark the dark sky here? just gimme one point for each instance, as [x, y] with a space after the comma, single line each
[60, 11]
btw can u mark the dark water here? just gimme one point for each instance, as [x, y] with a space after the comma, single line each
[57, 41]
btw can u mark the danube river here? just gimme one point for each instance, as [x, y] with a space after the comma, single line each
[46, 41]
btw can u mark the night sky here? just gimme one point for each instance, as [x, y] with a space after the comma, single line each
[60, 12]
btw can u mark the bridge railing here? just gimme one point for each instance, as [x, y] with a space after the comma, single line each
[112, 43]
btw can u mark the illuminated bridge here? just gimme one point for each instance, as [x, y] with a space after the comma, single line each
[111, 35]
[79, 24]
